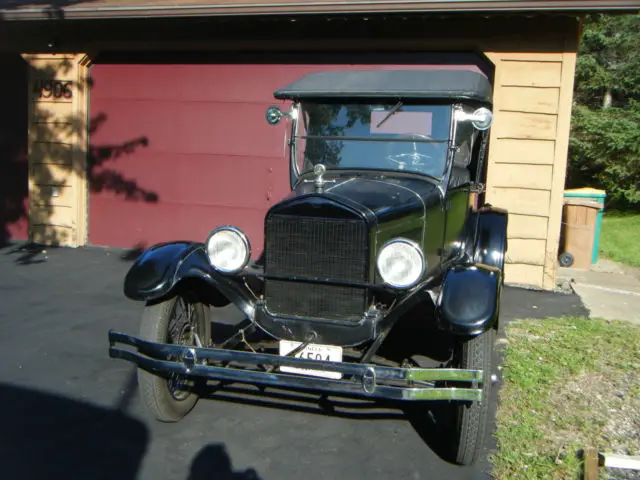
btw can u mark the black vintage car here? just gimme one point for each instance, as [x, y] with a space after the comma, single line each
[385, 221]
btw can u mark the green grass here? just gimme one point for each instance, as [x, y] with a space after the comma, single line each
[568, 383]
[619, 238]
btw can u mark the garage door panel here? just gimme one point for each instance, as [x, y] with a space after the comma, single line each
[116, 122]
[207, 82]
[211, 180]
[234, 83]
[171, 222]
[127, 121]
[231, 129]
[195, 128]
[229, 83]
[250, 83]
[193, 143]
[137, 82]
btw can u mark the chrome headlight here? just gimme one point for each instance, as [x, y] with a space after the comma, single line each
[401, 263]
[228, 249]
[482, 118]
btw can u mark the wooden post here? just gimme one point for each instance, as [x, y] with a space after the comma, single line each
[58, 125]
[591, 464]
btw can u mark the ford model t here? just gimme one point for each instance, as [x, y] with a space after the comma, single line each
[385, 221]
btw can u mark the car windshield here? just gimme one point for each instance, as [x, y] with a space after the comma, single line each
[396, 137]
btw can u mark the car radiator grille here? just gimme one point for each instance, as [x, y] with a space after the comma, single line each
[313, 247]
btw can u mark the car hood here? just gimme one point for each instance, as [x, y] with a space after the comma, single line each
[380, 198]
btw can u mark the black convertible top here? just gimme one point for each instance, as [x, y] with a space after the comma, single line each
[419, 84]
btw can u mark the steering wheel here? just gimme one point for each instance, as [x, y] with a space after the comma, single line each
[416, 158]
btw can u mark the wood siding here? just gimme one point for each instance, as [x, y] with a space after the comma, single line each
[527, 158]
[57, 156]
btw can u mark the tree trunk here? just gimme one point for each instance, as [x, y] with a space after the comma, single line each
[608, 99]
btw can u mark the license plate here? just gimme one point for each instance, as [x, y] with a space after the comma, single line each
[329, 353]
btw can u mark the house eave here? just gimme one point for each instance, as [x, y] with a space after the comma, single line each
[49, 12]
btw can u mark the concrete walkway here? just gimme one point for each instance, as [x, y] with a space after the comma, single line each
[608, 290]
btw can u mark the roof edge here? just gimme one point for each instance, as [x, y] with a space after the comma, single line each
[320, 7]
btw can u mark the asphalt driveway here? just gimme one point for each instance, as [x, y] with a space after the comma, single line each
[69, 411]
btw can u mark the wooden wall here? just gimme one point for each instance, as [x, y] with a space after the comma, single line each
[57, 152]
[528, 155]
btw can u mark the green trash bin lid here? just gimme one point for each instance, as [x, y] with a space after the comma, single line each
[585, 192]
[583, 202]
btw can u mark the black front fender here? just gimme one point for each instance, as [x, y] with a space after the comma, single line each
[469, 301]
[490, 246]
[164, 267]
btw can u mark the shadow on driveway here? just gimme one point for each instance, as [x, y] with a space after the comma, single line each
[213, 463]
[433, 422]
[26, 253]
[46, 436]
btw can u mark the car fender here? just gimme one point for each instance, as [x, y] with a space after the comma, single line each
[469, 301]
[161, 269]
[490, 243]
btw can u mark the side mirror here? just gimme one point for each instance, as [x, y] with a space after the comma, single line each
[274, 114]
[481, 119]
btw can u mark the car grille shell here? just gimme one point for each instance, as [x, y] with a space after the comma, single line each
[316, 249]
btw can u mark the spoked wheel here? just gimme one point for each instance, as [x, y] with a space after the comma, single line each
[175, 321]
[471, 418]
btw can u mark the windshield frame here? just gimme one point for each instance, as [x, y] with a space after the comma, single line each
[298, 117]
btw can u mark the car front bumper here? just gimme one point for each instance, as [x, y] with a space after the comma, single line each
[357, 379]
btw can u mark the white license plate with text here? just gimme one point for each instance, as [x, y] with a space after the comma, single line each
[328, 353]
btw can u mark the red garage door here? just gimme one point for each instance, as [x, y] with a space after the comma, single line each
[14, 167]
[177, 149]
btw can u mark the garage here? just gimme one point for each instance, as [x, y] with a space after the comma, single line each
[179, 148]
[163, 136]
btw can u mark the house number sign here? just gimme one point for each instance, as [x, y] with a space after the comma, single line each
[53, 89]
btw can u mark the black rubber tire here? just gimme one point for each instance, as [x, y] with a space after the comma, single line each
[566, 260]
[471, 418]
[154, 389]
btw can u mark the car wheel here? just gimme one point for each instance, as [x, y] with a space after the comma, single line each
[471, 417]
[174, 321]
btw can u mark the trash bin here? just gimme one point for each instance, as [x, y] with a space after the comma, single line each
[578, 233]
[595, 195]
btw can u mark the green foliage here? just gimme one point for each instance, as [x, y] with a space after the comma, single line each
[605, 137]
[608, 60]
[605, 151]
